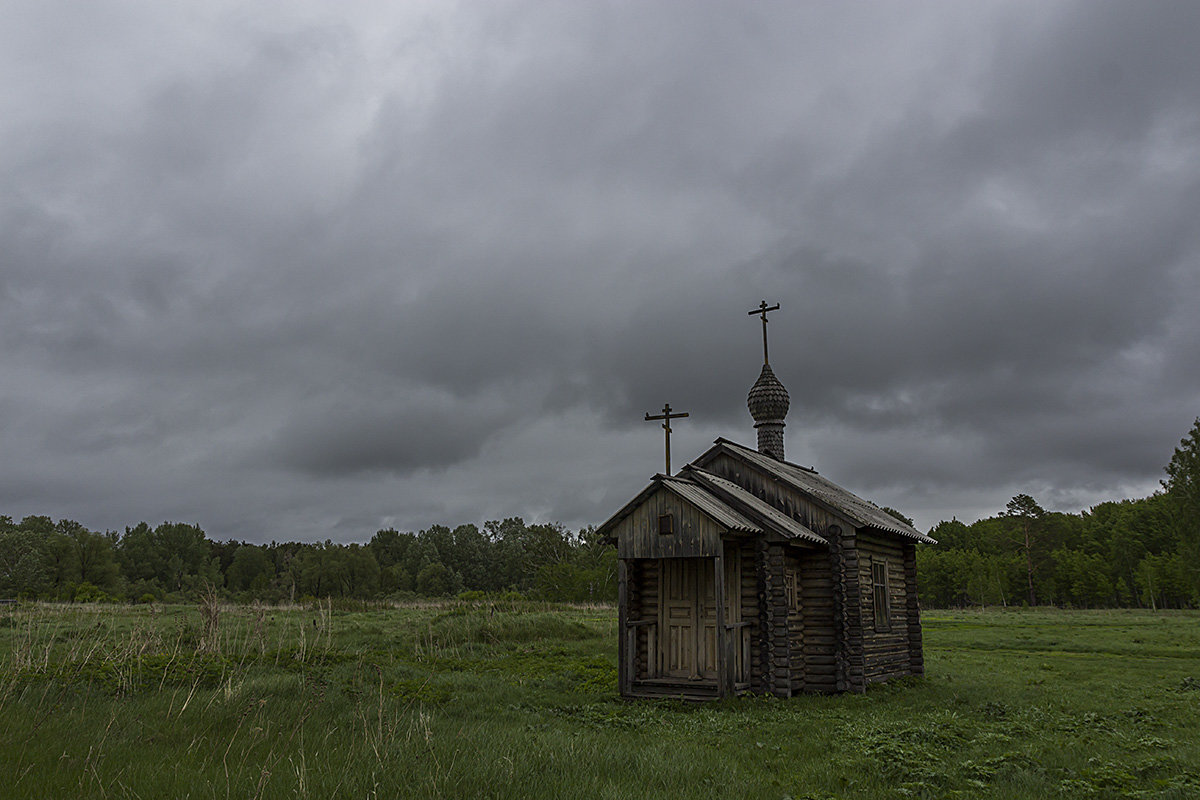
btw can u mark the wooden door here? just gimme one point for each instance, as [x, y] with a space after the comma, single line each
[688, 642]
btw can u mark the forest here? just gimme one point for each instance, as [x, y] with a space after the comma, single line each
[1130, 553]
[172, 562]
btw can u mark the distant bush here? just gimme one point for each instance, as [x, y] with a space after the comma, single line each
[90, 593]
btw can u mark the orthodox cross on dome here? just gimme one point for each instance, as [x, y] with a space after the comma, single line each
[666, 417]
[762, 311]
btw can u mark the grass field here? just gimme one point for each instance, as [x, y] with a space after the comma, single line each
[519, 700]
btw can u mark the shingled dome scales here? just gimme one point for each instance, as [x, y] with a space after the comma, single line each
[768, 400]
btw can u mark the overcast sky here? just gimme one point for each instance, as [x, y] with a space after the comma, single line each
[304, 270]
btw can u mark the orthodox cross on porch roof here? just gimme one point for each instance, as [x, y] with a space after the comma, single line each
[666, 417]
[762, 311]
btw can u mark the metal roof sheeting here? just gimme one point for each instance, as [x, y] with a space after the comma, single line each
[782, 523]
[808, 481]
[708, 505]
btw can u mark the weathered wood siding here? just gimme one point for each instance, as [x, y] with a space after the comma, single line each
[885, 647]
[695, 535]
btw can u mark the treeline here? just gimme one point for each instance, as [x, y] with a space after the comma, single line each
[1143, 553]
[1123, 553]
[63, 560]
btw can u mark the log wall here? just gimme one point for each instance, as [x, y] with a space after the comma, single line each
[777, 664]
[760, 672]
[748, 636]
[916, 653]
[848, 620]
[796, 619]
[886, 647]
[820, 634]
[643, 601]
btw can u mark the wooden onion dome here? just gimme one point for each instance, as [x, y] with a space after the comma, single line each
[768, 402]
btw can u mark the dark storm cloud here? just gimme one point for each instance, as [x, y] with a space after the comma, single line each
[290, 273]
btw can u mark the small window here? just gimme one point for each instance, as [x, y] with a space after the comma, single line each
[879, 586]
[791, 587]
[666, 524]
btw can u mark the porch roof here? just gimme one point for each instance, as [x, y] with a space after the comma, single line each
[752, 506]
[690, 492]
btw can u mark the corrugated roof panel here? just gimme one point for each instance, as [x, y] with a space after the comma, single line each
[809, 481]
[711, 506]
[782, 522]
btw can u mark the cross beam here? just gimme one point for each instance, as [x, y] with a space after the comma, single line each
[762, 311]
[666, 417]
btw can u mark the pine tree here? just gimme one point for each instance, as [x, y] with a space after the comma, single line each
[1183, 487]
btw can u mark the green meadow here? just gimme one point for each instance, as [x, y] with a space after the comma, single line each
[516, 699]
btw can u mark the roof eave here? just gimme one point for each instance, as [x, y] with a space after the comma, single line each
[803, 534]
[661, 481]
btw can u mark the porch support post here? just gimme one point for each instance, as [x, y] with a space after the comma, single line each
[724, 668]
[625, 651]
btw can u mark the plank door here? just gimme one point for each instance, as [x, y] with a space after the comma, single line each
[677, 642]
[688, 644]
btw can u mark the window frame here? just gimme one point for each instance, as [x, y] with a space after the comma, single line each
[881, 600]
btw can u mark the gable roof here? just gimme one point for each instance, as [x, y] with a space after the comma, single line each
[752, 506]
[705, 503]
[724, 502]
[808, 482]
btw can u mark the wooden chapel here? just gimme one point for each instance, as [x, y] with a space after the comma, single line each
[744, 572]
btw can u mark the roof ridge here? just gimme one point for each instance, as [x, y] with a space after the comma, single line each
[738, 445]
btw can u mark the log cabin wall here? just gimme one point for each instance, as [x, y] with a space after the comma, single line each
[796, 619]
[884, 607]
[848, 618]
[748, 638]
[820, 634]
[645, 589]
[694, 534]
[632, 662]
[777, 664]
[916, 654]
[760, 672]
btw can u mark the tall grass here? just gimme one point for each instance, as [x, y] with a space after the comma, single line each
[519, 700]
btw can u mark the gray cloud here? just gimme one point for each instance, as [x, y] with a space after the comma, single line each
[298, 274]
